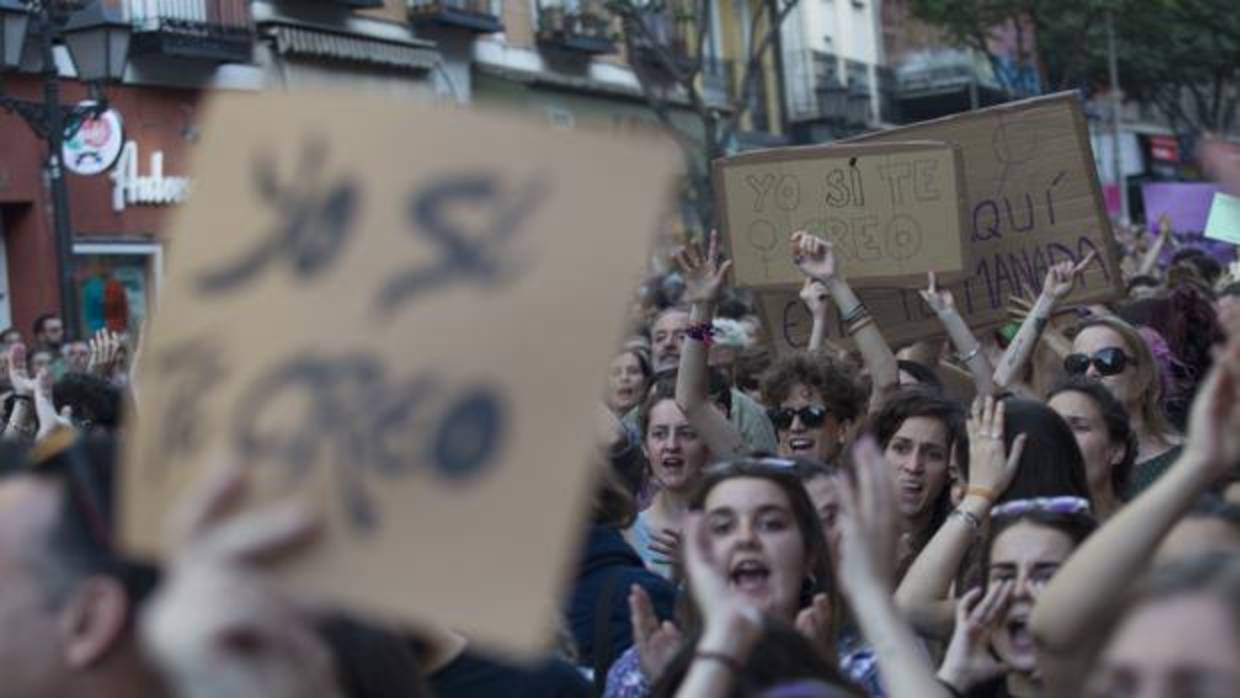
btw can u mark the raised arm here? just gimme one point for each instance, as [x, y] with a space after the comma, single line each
[816, 259]
[967, 346]
[868, 532]
[923, 596]
[1150, 260]
[1081, 595]
[814, 295]
[704, 274]
[1058, 284]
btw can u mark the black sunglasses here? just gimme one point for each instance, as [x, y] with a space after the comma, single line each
[1109, 362]
[812, 417]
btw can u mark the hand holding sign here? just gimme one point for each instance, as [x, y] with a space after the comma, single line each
[814, 257]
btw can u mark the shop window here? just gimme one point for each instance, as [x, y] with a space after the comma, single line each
[116, 285]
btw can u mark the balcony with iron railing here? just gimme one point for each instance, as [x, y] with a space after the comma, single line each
[215, 30]
[664, 31]
[481, 16]
[815, 91]
[582, 26]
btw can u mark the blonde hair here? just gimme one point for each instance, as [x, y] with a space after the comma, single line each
[1149, 374]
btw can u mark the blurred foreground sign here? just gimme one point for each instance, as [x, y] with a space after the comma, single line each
[360, 309]
[892, 210]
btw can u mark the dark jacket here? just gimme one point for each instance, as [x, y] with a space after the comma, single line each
[608, 569]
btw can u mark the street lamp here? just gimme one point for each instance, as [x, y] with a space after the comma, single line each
[98, 43]
[13, 22]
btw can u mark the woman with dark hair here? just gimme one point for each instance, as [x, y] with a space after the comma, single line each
[1106, 440]
[1082, 599]
[761, 524]
[1027, 543]
[1051, 464]
[627, 381]
[814, 402]
[916, 431]
[676, 454]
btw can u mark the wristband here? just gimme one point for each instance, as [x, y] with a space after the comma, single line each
[983, 492]
[855, 314]
[726, 660]
[22, 398]
[704, 332]
[970, 519]
[973, 354]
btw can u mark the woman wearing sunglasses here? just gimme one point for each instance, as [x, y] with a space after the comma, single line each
[1111, 351]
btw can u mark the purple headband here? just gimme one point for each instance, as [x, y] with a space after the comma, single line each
[1053, 505]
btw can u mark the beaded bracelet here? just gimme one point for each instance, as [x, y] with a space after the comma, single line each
[703, 332]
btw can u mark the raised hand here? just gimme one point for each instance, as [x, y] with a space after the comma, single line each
[990, 469]
[816, 297]
[216, 627]
[656, 642]
[731, 624]
[1213, 441]
[868, 531]
[49, 419]
[19, 375]
[814, 622]
[940, 301]
[1060, 278]
[968, 661]
[814, 256]
[704, 273]
[105, 349]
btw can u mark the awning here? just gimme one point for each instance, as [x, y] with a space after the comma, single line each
[319, 43]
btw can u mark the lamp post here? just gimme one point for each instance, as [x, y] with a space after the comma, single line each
[98, 45]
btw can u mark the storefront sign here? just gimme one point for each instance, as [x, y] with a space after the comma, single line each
[128, 187]
[1164, 148]
[95, 145]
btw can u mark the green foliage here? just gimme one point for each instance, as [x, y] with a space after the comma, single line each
[1181, 55]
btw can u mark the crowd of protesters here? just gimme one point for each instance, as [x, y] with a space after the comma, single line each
[1049, 508]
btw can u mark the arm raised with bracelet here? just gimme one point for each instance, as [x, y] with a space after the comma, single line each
[970, 350]
[816, 259]
[704, 272]
[923, 596]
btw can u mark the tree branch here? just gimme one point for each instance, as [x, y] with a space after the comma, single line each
[755, 63]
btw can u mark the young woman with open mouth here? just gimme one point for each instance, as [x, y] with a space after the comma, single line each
[765, 531]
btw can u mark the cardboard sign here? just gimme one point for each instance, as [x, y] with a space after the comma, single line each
[892, 210]
[1033, 200]
[1224, 223]
[404, 314]
[900, 313]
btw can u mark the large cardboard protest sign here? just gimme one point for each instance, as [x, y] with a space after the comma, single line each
[403, 314]
[1033, 200]
[891, 210]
